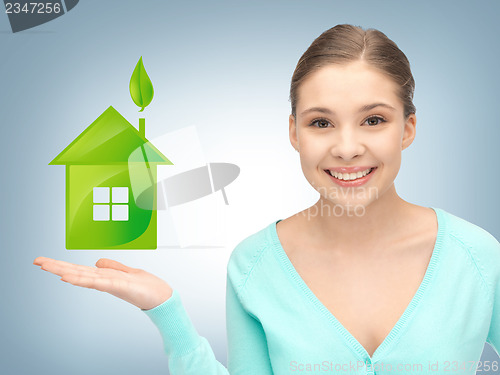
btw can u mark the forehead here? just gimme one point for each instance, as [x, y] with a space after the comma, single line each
[347, 87]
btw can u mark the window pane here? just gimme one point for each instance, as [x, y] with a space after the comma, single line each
[101, 212]
[119, 195]
[101, 195]
[120, 212]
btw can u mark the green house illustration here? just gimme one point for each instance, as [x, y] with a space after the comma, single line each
[104, 209]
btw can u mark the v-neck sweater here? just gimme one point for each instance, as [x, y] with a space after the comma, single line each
[276, 325]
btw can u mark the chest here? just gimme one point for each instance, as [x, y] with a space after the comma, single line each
[367, 296]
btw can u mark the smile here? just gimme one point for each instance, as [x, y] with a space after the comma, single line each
[351, 179]
[350, 176]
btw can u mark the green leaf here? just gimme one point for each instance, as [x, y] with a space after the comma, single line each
[141, 88]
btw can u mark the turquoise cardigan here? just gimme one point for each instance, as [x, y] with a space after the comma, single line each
[276, 325]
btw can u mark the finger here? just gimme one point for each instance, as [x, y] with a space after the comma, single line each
[110, 263]
[94, 272]
[39, 260]
[43, 260]
[60, 267]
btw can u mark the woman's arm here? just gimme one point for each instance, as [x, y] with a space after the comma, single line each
[246, 340]
[490, 269]
[191, 354]
[188, 352]
[494, 332]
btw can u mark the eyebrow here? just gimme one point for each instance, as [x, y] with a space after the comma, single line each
[361, 110]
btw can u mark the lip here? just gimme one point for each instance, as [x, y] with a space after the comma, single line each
[350, 169]
[357, 182]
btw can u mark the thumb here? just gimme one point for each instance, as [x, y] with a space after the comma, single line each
[110, 263]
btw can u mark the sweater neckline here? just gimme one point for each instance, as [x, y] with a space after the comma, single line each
[351, 341]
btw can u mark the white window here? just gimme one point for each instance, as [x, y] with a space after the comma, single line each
[101, 195]
[108, 201]
[101, 212]
[119, 195]
[119, 212]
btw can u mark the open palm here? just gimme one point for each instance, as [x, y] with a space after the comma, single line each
[133, 285]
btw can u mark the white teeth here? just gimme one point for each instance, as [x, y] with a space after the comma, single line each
[350, 176]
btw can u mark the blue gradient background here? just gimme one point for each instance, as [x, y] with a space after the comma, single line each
[226, 67]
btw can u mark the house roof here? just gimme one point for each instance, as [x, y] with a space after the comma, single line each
[110, 139]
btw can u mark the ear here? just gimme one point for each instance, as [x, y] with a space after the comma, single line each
[292, 129]
[409, 131]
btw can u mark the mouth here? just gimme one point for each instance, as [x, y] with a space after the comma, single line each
[351, 179]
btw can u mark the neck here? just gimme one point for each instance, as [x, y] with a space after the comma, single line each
[360, 229]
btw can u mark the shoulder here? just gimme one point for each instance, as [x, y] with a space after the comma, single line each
[472, 236]
[246, 255]
[482, 246]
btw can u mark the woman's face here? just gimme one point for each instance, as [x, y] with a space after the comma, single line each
[338, 127]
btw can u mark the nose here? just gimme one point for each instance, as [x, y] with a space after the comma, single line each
[347, 144]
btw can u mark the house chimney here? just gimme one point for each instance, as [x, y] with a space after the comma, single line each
[142, 127]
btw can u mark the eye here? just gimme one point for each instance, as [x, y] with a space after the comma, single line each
[371, 120]
[322, 123]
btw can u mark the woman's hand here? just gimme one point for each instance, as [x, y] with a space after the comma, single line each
[133, 285]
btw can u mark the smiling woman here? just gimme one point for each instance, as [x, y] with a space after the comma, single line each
[363, 282]
[361, 132]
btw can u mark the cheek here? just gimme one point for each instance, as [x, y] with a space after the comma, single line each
[311, 155]
[389, 147]
[390, 156]
[312, 150]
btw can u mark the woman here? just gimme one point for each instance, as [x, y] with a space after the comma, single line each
[362, 281]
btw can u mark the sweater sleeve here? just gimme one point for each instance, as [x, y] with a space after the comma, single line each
[494, 276]
[191, 354]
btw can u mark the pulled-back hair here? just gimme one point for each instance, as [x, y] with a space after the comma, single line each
[347, 43]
